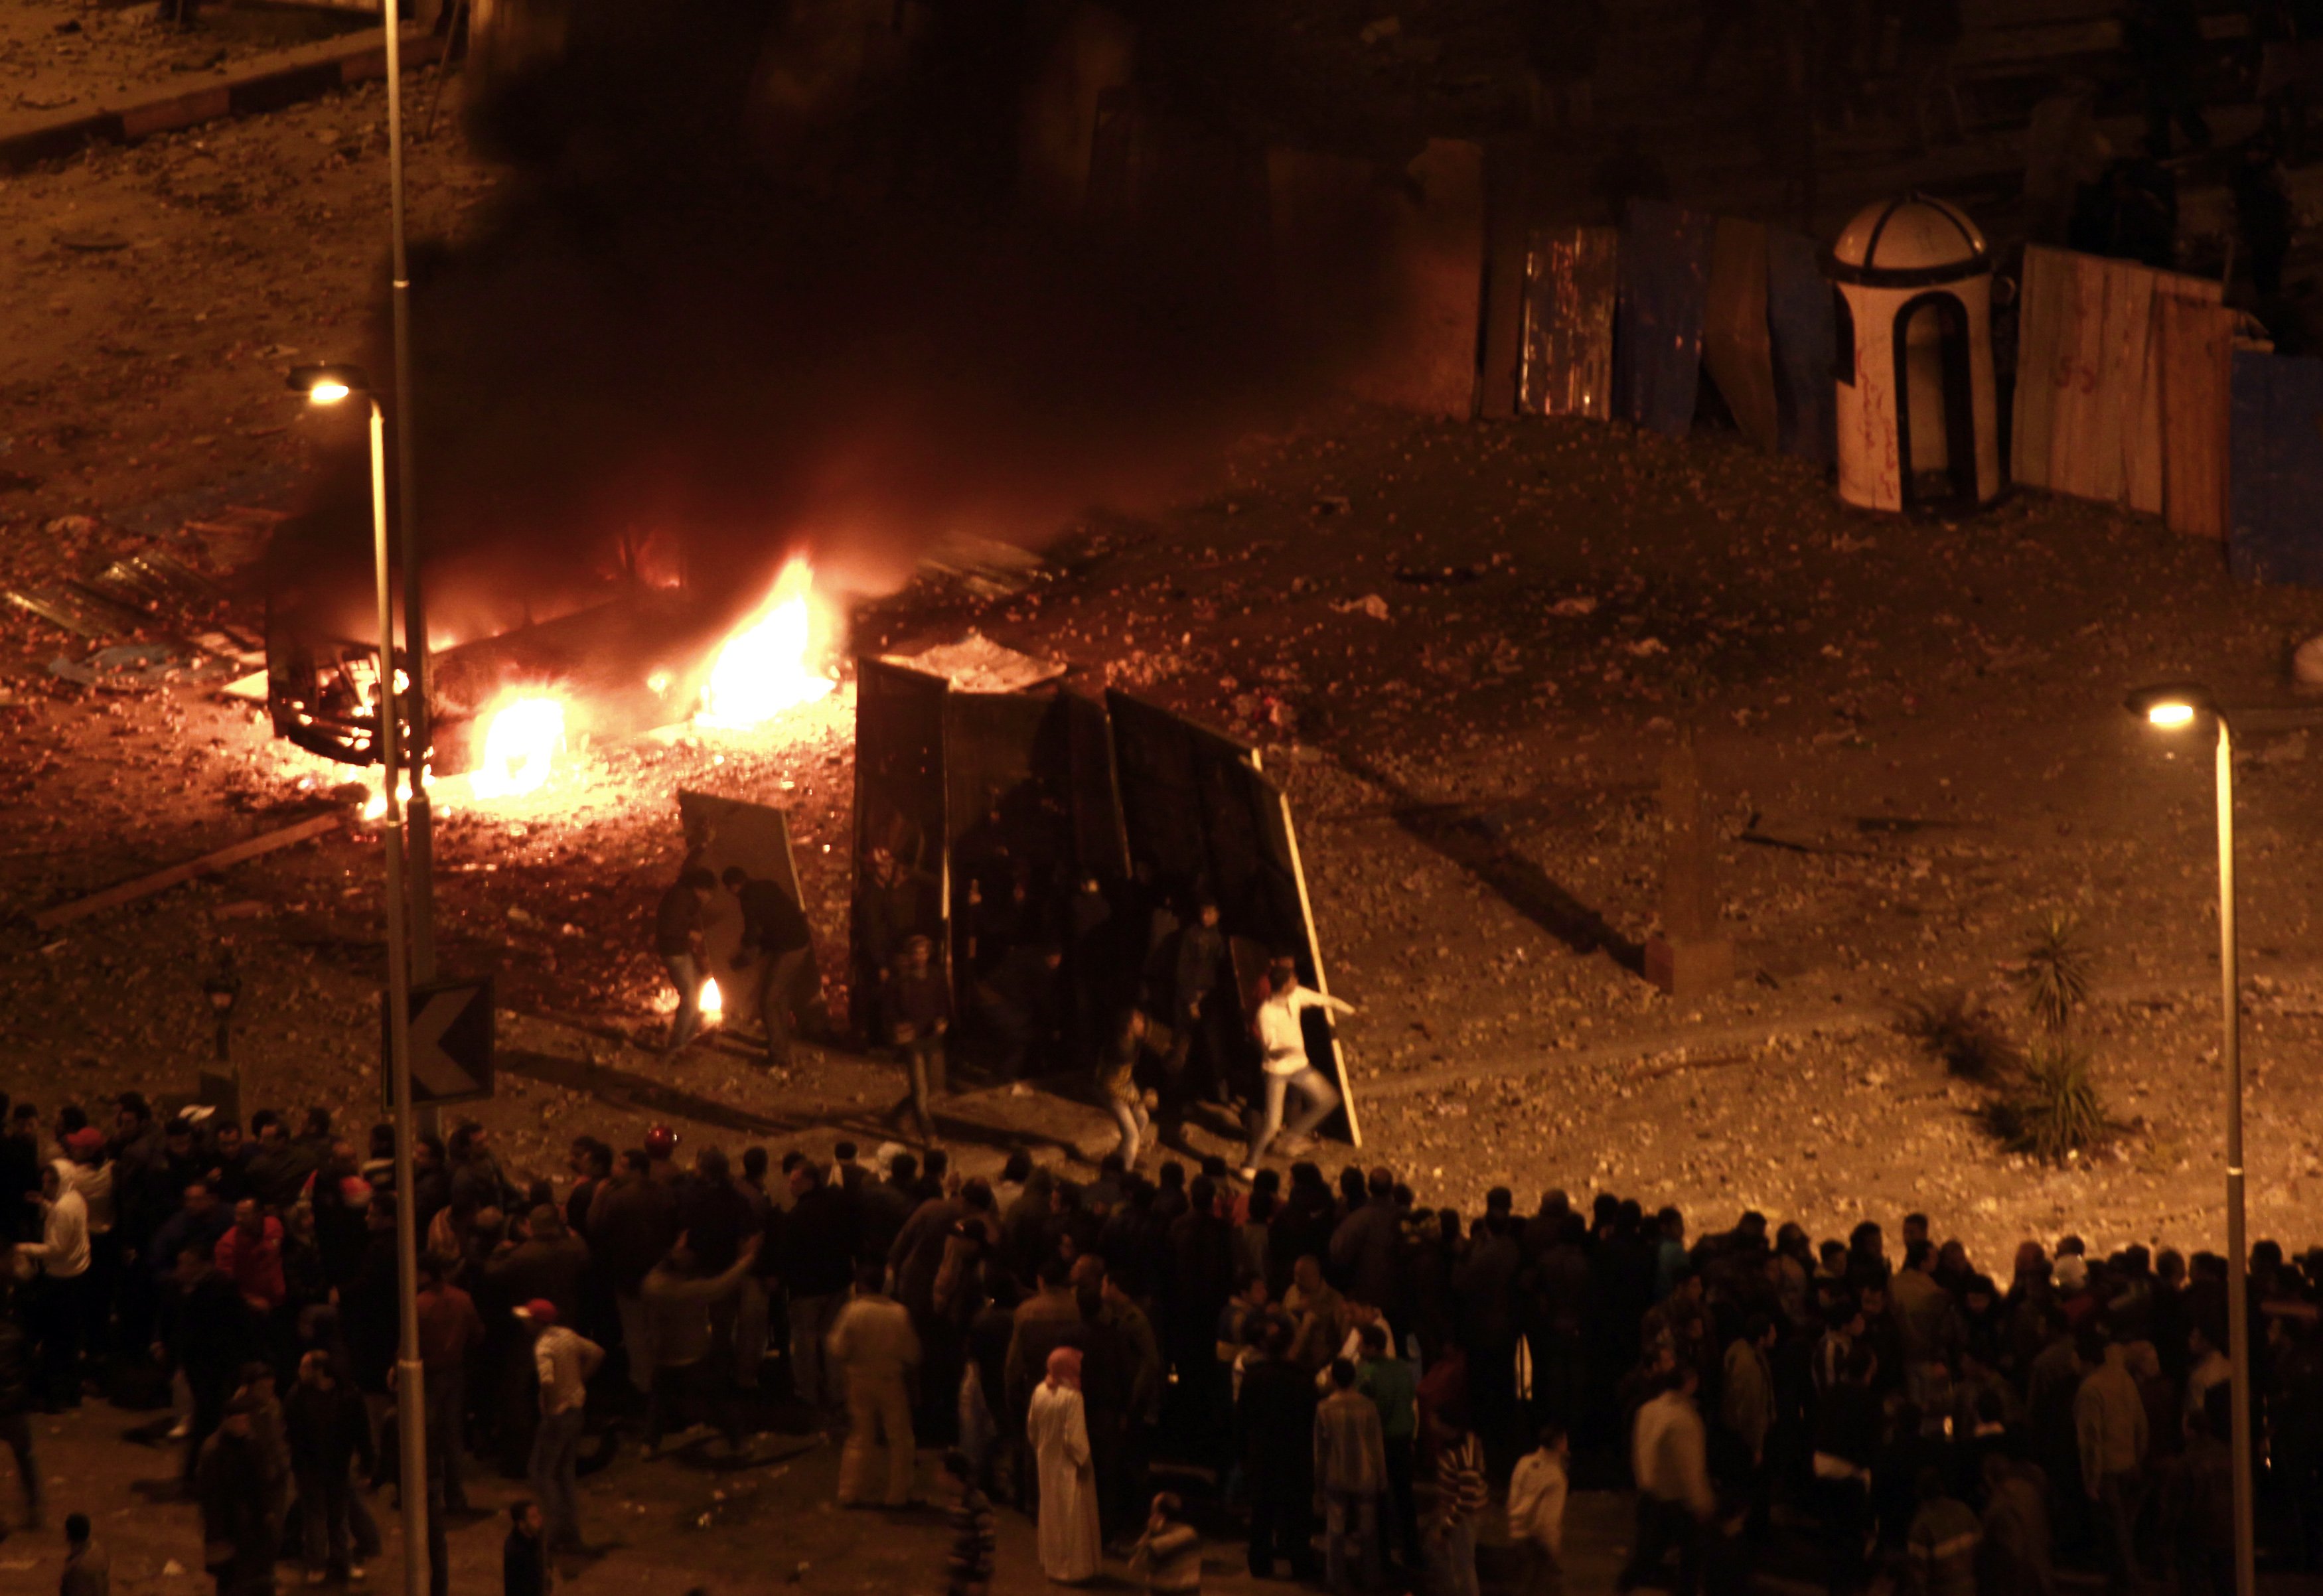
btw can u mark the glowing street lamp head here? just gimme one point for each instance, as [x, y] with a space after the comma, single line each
[2171, 705]
[328, 385]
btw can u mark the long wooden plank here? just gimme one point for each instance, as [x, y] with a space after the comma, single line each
[163, 880]
[2196, 389]
[2120, 400]
[1322, 979]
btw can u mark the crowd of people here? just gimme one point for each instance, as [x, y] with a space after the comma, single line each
[1356, 1378]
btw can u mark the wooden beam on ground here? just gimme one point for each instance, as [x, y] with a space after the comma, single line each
[163, 880]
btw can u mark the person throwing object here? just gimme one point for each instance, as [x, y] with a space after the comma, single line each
[1282, 1040]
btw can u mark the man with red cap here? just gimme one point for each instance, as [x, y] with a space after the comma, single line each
[563, 1359]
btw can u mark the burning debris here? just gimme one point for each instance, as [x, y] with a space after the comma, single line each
[504, 711]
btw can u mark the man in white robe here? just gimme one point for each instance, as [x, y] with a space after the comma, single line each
[1071, 1545]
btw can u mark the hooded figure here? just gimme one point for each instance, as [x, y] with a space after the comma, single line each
[1069, 1540]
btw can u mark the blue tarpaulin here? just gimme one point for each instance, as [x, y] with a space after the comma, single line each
[1658, 328]
[1805, 333]
[2276, 474]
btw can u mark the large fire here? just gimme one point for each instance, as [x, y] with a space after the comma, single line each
[776, 660]
[520, 744]
[768, 665]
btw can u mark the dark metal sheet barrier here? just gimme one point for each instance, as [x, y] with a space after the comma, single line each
[1735, 338]
[1572, 280]
[1097, 834]
[1053, 787]
[1803, 324]
[900, 807]
[1657, 337]
[2276, 477]
[1198, 811]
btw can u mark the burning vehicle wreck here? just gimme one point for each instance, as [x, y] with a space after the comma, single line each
[501, 706]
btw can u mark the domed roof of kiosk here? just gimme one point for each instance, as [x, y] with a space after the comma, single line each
[1916, 233]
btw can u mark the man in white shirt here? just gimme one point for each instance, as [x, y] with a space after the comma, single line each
[1282, 1040]
[1537, 1492]
[563, 1360]
[61, 1313]
[1668, 1456]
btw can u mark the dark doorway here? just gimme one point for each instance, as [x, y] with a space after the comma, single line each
[1935, 410]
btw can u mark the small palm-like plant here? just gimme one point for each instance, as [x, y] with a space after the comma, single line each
[2051, 1110]
[2054, 977]
[1963, 1033]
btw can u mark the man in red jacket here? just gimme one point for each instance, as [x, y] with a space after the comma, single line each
[251, 1256]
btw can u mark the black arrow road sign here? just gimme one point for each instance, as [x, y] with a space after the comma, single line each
[451, 1043]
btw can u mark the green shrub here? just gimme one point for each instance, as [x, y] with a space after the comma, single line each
[1962, 1032]
[2051, 1109]
[2055, 975]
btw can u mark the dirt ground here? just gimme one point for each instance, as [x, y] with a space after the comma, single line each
[1465, 649]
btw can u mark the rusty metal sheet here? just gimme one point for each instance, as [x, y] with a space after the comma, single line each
[1571, 281]
[1735, 344]
[1665, 289]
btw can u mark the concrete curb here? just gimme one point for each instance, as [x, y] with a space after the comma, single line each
[268, 83]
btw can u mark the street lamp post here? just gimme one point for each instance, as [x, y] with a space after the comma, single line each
[328, 385]
[422, 881]
[2172, 706]
[221, 1087]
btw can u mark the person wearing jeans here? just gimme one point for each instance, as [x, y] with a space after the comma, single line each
[1116, 1081]
[563, 1361]
[1283, 1040]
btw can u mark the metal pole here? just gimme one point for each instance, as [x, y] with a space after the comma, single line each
[407, 522]
[2237, 1247]
[411, 1400]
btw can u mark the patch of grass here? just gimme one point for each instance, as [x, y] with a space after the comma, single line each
[1963, 1033]
[2052, 1109]
[2055, 977]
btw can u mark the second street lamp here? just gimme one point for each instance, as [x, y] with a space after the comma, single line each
[329, 385]
[2173, 706]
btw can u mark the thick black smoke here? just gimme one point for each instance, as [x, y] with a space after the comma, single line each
[685, 346]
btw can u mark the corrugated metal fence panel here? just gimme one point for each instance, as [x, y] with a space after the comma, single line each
[1804, 332]
[1572, 280]
[1657, 339]
[2276, 478]
[1735, 341]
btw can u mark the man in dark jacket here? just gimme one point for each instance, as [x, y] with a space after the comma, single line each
[1363, 1247]
[1275, 1420]
[776, 963]
[330, 1433]
[541, 1257]
[524, 1569]
[200, 1220]
[632, 1224]
[206, 1331]
[240, 1533]
[815, 1258]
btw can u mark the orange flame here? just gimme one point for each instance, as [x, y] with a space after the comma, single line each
[713, 1001]
[769, 664]
[521, 739]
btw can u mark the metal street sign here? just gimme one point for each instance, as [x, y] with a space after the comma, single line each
[451, 1043]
